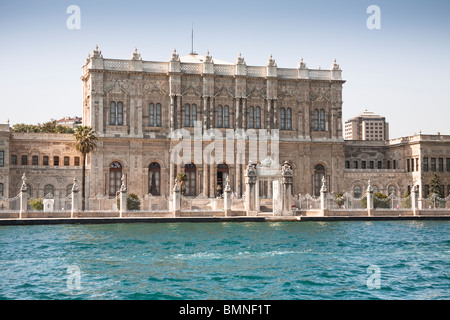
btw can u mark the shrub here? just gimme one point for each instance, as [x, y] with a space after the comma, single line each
[339, 199]
[36, 204]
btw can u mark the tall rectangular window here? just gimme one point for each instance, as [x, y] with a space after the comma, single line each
[412, 164]
[433, 164]
[14, 160]
[389, 164]
[347, 164]
[394, 163]
[24, 160]
[45, 161]
[425, 164]
[408, 165]
[34, 160]
[2, 158]
[380, 165]
[76, 161]
[56, 161]
[371, 165]
[1, 189]
[417, 164]
[441, 164]
[363, 164]
[447, 164]
[66, 161]
[356, 164]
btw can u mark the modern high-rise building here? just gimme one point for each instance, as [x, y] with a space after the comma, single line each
[367, 126]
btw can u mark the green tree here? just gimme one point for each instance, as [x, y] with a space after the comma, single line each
[435, 191]
[133, 202]
[46, 127]
[85, 137]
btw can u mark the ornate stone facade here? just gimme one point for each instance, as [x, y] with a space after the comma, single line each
[136, 106]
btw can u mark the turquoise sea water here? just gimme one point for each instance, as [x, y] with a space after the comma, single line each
[304, 260]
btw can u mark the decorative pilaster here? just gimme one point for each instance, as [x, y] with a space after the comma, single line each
[172, 112]
[205, 113]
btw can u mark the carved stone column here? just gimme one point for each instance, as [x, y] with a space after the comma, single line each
[123, 198]
[286, 179]
[23, 197]
[250, 189]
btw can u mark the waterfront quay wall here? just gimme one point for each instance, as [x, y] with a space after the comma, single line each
[296, 215]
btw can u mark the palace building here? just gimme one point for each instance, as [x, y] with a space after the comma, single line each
[136, 106]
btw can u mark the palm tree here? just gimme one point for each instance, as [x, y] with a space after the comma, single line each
[85, 138]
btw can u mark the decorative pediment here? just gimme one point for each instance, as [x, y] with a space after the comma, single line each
[191, 92]
[154, 90]
[287, 97]
[116, 88]
[255, 94]
[321, 96]
[223, 93]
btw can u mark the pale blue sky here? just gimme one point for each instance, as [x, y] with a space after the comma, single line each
[401, 71]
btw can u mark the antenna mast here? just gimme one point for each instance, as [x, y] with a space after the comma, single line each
[192, 39]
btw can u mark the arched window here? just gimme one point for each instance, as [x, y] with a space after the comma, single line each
[29, 190]
[112, 113]
[316, 120]
[119, 113]
[222, 174]
[282, 119]
[322, 120]
[49, 191]
[288, 119]
[319, 173]
[191, 171]
[154, 179]
[69, 190]
[258, 117]
[375, 189]
[251, 114]
[391, 190]
[151, 120]
[193, 115]
[219, 117]
[115, 176]
[226, 117]
[187, 112]
[357, 192]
